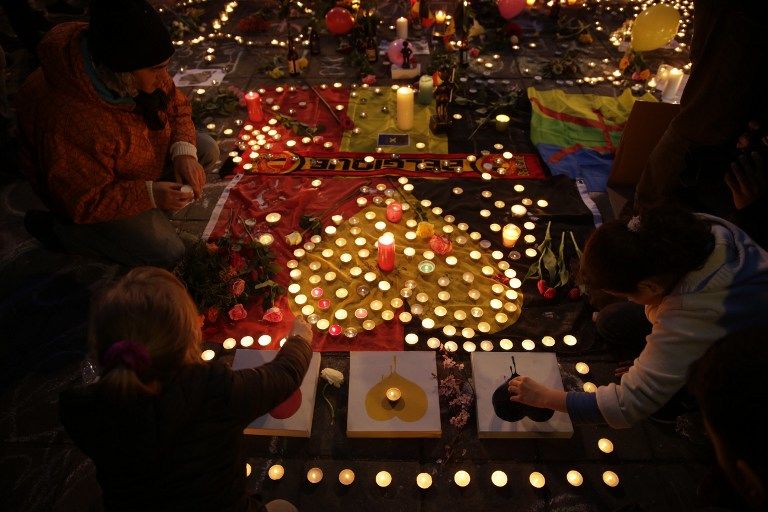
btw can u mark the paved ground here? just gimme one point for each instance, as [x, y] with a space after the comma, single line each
[43, 303]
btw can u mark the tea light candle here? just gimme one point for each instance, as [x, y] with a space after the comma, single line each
[548, 341]
[468, 346]
[461, 478]
[518, 210]
[273, 218]
[424, 480]
[426, 267]
[589, 387]
[569, 339]
[370, 276]
[383, 478]
[369, 325]
[314, 475]
[574, 478]
[380, 225]
[362, 201]
[528, 344]
[610, 478]
[276, 472]
[537, 480]
[487, 270]
[207, 355]
[405, 317]
[404, 105]
[502, 122]
[499, 478]
[355, 271]
[246, 341]
[542, 203]
[345, 257]
[376, 305]
[531, 252]
[582, 368]
[468, 332]
[451, 346]
[229, 343]
[605, 445]
[346, 476]
[506, 344]
[386, 252]
[475, 255]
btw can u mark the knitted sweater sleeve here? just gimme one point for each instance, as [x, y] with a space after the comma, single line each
[255, 391]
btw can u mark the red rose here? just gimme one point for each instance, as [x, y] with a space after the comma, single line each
[237, 287]
[237, 312]
[211, 314]
[237, 262]
[441, 245]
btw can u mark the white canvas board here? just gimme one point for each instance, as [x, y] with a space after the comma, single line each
[492, 369]
[299, 424]
[415, 414]
[199, 77]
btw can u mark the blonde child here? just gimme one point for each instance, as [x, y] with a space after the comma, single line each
[164, 428]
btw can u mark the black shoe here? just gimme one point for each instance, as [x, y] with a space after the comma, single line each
[39, 224]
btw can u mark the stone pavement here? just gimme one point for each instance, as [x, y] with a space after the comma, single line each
[44, 298]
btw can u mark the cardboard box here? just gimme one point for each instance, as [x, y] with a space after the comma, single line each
[646, 124]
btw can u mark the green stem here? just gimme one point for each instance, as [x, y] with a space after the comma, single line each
[330, 405]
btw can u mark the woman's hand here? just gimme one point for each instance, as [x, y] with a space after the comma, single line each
[169, 196]
[189, 171]
[302, 329]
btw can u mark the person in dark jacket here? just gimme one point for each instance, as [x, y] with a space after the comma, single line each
[163, 427]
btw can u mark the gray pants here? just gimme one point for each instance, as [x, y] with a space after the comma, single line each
[145, 239]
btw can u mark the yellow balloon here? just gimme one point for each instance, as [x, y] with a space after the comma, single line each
[654, 27]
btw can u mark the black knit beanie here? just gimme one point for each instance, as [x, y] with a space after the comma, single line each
[126, 35]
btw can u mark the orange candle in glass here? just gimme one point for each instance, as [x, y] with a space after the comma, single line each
[386, 252]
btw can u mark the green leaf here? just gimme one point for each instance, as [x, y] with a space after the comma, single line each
[562, 272]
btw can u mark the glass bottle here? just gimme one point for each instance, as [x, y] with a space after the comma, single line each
[293, 57]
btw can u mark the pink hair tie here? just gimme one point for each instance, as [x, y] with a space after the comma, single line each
[130, 354]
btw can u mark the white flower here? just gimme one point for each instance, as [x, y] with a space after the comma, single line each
[334, 377]
[293, 238]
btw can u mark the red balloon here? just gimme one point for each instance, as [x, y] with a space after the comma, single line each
[339, 21]
[511, 8]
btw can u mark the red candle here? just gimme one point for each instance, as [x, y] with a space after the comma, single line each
[334, 330]
[253, 102]
[386, 254]
[394, 211]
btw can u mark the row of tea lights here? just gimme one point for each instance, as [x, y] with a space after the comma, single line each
[461, 478]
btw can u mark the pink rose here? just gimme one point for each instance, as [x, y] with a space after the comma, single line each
[237, 287]
[237, 312]
[369, 79]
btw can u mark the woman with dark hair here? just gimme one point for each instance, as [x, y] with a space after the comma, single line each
[699, 278]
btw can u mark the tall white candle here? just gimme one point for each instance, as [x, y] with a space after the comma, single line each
[402, 28]
[674, 77]
[405, 108]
